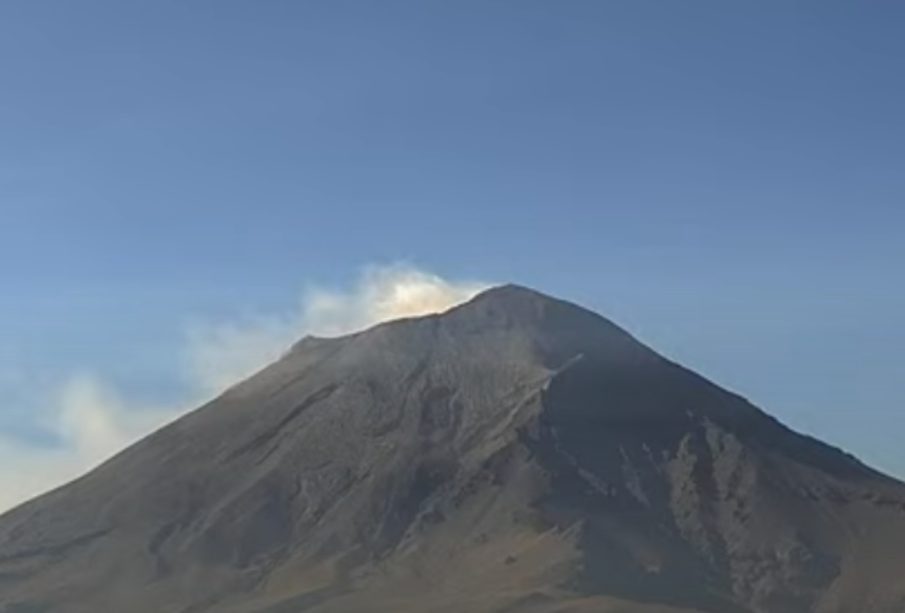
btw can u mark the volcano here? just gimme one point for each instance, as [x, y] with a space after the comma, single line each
[514, 454]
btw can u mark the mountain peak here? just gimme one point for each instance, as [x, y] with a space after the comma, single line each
[516, 297]
[516, 433]
[561, 329]
[512, 292]
[519, 304]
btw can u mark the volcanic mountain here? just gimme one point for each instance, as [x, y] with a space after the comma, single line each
[515, 454]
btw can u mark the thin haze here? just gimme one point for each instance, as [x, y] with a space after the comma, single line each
[91, 419]
[723, 179]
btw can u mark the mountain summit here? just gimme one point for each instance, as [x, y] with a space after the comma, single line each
[515, 454]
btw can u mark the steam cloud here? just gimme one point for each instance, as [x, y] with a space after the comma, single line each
[91, 421]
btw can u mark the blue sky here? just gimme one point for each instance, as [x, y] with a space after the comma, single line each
[724, 179]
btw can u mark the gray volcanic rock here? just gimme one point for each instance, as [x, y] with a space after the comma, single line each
[514, 454]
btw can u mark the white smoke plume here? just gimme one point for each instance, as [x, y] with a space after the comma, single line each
[90, 421]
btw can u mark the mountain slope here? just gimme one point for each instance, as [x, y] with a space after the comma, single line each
[515, 454]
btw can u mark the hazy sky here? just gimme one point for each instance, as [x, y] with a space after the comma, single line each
[724, 179]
